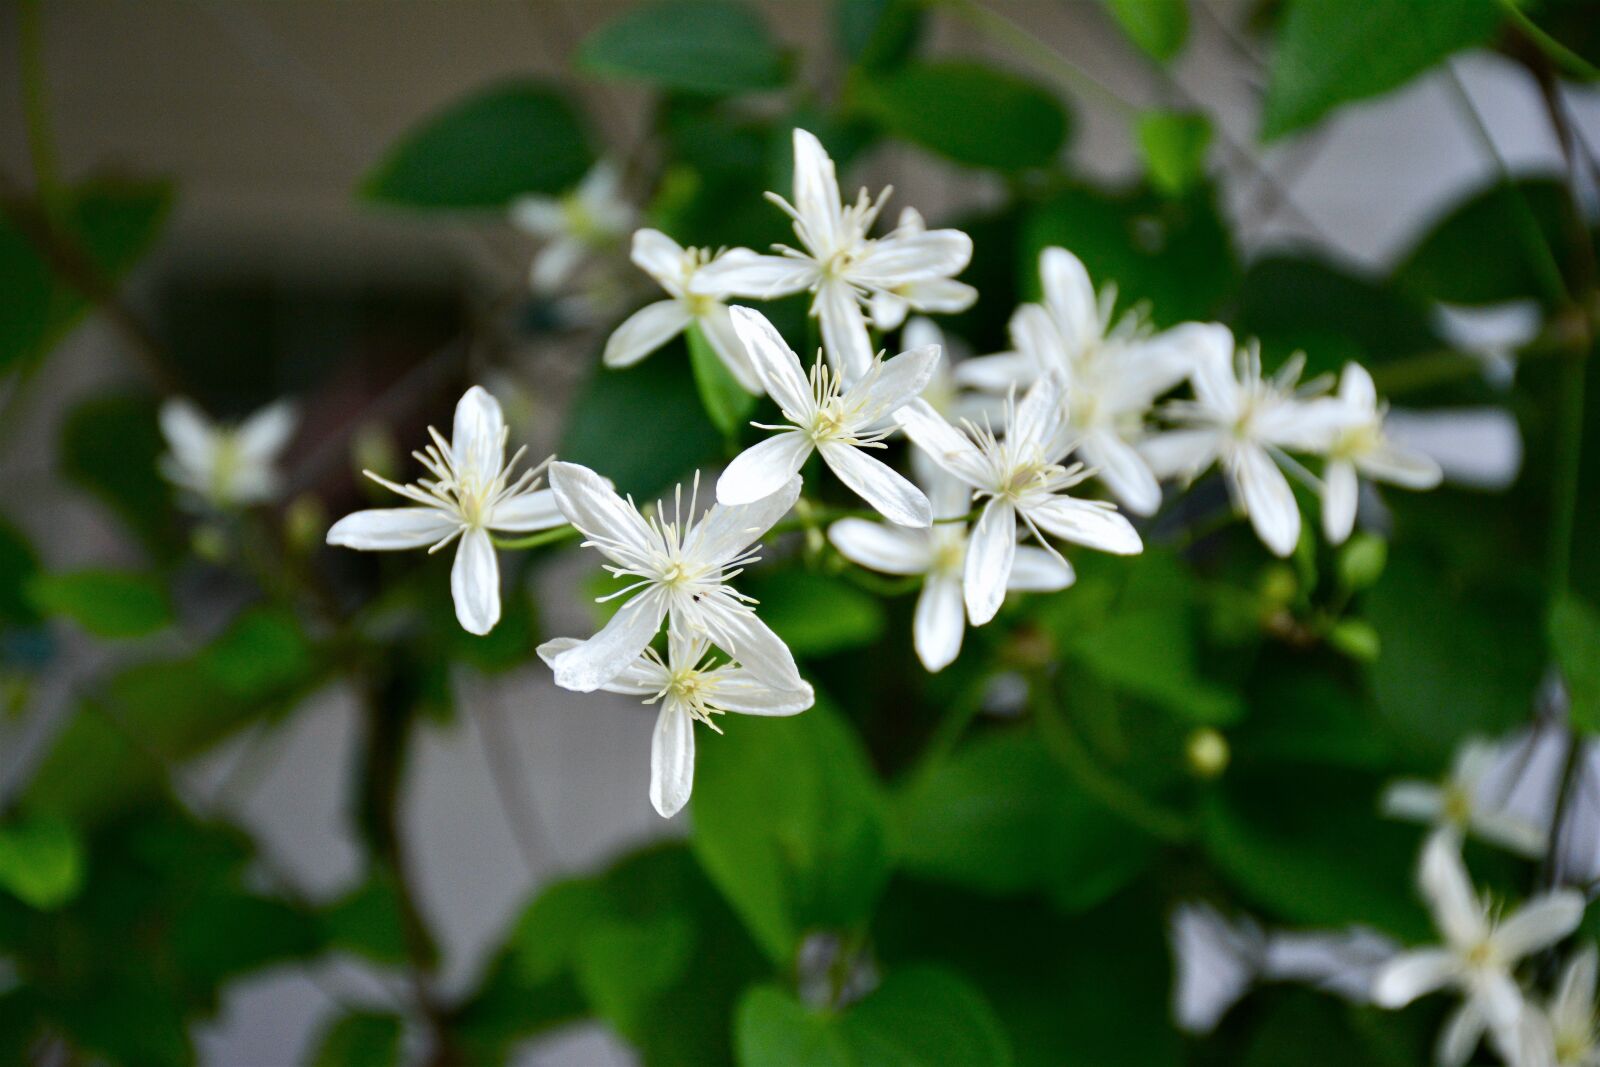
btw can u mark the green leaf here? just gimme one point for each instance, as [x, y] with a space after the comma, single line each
[877, 33]
[481, 152]
[103, 602]
[368, 921]
[968, 112]
[360, 1039]
[41, 861]
[261, 651]
[1330, 52]
[816, 857]
[1174, 144]
[1575, 639]
[918, 1017]
[1158, 26]
[18, 565]
[816, 615]
[109, 447]
[1492, 246]
[711, 47]
[1003, 817]
[727, 404]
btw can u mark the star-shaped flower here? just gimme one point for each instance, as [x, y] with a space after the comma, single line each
[592, 216]
[225, 466]
[1362, 448]
[1563, 1032]
[473, 490]
[1458, 803]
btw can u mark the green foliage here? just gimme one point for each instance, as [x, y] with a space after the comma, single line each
[968, 112]
[1160, 27]
[877, 33]
[109, 447]
[18, 564]
[106, 603]
[817, 857]
[918, 1017]
[480, 153]
[726, 403]
[816, 615]
[1575, 638]
[360, 1039]
[1330, 53]
[1174, 146]
[261, 651]
[711, 47]
[41, 861]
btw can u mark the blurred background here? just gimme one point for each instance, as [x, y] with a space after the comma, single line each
[230, 140]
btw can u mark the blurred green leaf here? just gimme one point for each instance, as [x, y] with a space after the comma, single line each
[1160, 27]
[726, 403]
[1575, 639]
[918, 1017]
[103, 602]
[712, 47]
[968, 112]
[877, 33]
[816, 857]
[641, 427]
[262, 650]
[1361, 561]
[1002, 816]
[482, 152]
[360, 1039]
[368, 921]
[815, 614]
[1330, 52]
[18, 564]
[1174, 145]
[109, 447]
[1490, 246]
[41, 861]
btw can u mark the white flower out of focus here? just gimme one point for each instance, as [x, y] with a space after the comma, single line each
[826, 416]
[677, 568]
[674, 268]
[1562, 1033]
[937, 295]
[594, 216]
[840, 265]
[938, 554]
[473, 490]
[1459, 806]
[691, 687]
[1480, 951]
[1363, 449]
[225, 466]
[1021, 474]
[1114, 371]
[1245, 422]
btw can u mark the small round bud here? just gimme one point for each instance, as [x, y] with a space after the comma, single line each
[1207, 752]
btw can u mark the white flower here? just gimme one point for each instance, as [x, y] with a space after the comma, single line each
[1458, 803]
[653, 325]
[827, 417]
[473, 490]
[939, 554]
[940, 295]
[1563, 1033]
[690, 687]
[944, 392]
[592, 216]
[838, 263]
[1114, 371]
[225, 465]
[1244, 422]
[680, 567]
[1363, 447]
[1479, 952]
[1022, 475]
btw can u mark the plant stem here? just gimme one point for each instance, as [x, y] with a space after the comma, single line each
[544, 537]
[1554, 50]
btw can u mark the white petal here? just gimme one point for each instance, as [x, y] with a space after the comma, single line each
[717, 327]
[1460, 1035]
[475, 582]
[1340, 492]
[1415, 801]
[1540, 923]
[541, 216]
[889, 549]
[845, 340]
[1036, 571]
[997, 373]
[478, 439]
[263, 435]
[734, 627]
[526, 512]
[1266, 497]
[1574, 997]
[1124, 471]
[1179, 453]
[1401, 466]
[644, 677]
[1499, 997]
[939, 623]
[741, 272]
[1085, 522]
[1035, 335]
[590, 504]
[920, 332]
[880, 485]
[775, 362]
[888, 309]
[764, 468]
[672, 759]
[1212, 375]
[991, 552]
[384, 529]
[1456, 910]
[724, 532]
[1169, 357]
[645, 331]
[1413, 974]
[1307, 425]
[1070, 296]
[898, 382]
[908, 257]
[739, 690]
[944, 444]
[189, 434]
[593, 663]
[816, 190]
[944, 296]
[1041, 416]
[555, 264]
[660, 257]
[1510, 833]
[1356, 388]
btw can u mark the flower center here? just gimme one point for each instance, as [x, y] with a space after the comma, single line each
[1457, 805]
[695, 689]
[1357, 441]
[225, 464]
[949, 554]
